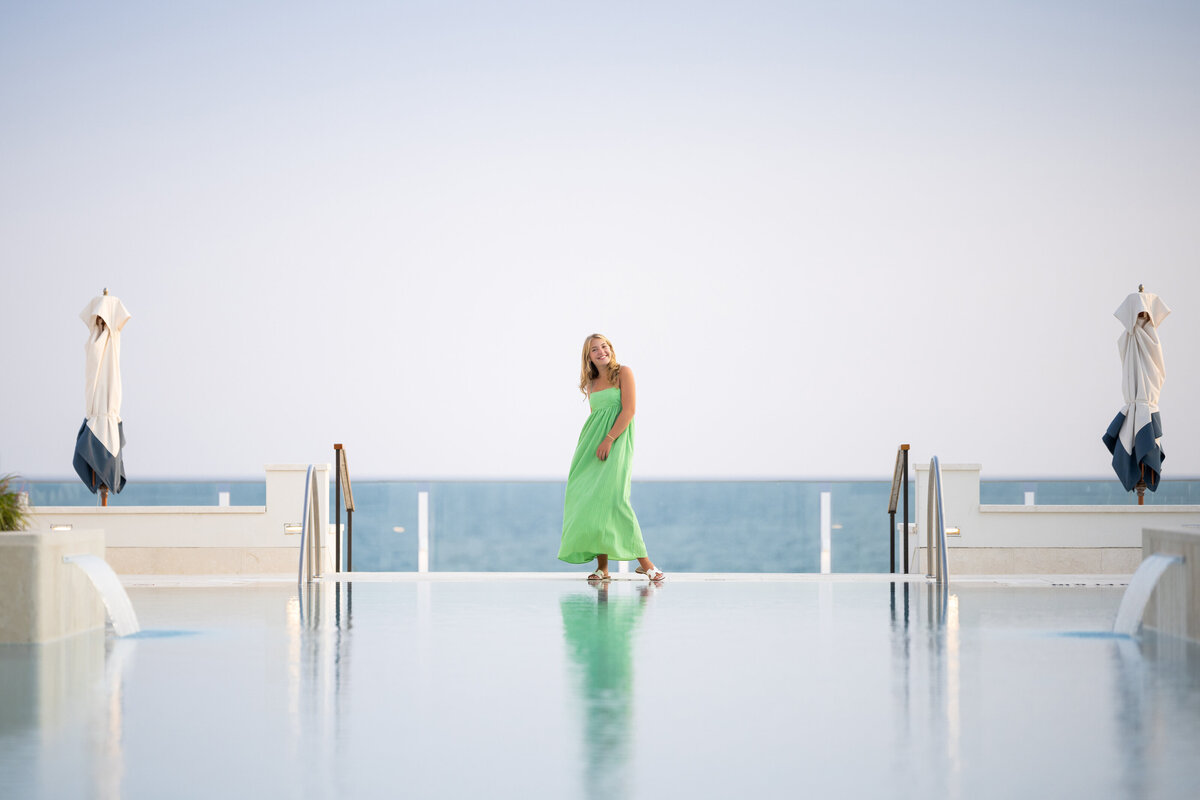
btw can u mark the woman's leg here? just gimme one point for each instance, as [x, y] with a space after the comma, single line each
[602, 562]
[647, 568]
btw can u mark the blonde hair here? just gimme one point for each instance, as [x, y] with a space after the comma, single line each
[588, 371]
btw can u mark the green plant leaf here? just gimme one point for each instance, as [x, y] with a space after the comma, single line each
[13, 514]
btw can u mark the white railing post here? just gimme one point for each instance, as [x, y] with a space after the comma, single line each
[826, 532]
[422, 531]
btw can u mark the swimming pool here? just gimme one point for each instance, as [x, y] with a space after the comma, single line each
[543, 685]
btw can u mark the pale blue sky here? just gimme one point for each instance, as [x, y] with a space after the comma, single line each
[814, 230]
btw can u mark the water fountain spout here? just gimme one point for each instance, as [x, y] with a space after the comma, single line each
[116, 600]
[1141, 586]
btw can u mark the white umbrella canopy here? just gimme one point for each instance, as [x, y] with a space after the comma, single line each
[1134, 434]
[100, 442]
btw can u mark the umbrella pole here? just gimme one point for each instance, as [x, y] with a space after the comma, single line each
[104, 496]
[1141, 486]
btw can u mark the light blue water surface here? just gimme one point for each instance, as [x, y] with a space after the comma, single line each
[553, 688]
[689, 526]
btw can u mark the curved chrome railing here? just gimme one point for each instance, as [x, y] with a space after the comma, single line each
[310, 534]
[935, 551]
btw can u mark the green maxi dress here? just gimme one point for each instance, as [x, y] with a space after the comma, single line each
[597, 516]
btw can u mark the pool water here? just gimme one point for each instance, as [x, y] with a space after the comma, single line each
[546, 686]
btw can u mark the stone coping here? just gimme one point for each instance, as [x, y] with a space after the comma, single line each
[116, 510]
[1098, 509]
[1168, 535]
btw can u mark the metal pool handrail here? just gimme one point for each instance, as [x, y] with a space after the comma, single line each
[936, 522]
[342, 491]
[310, 538]
[899, 476]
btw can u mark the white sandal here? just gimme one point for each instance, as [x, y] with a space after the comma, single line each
[654, 573]
[599, 575]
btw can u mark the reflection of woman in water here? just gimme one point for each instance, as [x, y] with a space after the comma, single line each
[598, 521]
[598, 632]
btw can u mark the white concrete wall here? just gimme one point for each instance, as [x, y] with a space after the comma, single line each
[205, 539]
[42, 597]
[1174, 607]
[999, 539]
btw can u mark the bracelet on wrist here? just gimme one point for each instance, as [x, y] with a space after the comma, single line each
[610, 436]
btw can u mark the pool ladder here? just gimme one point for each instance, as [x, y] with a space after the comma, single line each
[899, 489]
[342, 491]
[935, 528]
[312, 555]
[311, 541]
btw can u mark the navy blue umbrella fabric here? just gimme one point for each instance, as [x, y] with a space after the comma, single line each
[95, 464]
[1133, 435]
[100, 443]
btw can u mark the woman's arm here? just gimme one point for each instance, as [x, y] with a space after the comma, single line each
[628, 407]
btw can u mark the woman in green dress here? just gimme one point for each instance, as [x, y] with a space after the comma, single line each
[598, 521]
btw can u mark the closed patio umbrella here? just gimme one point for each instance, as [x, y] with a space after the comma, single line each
[100, 442]
[1133, 437]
